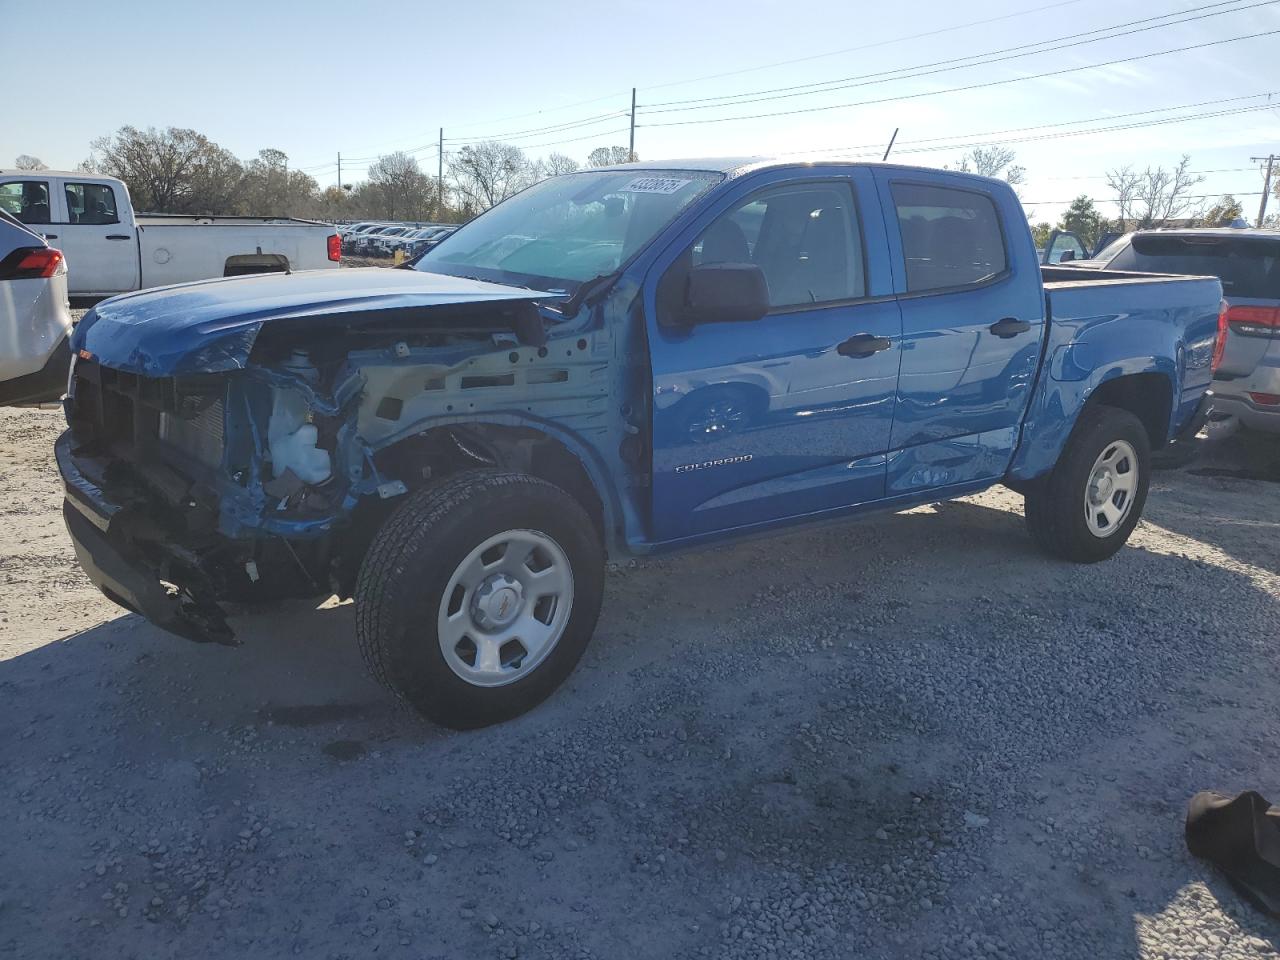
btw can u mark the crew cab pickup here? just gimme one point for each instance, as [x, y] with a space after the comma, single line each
[617, 362]
[111, 249]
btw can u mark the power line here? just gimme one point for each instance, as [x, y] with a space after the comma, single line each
[966, 87]
[553, 128]
[766, 66]
[956, 63]
[865, 46]
[1045, 126]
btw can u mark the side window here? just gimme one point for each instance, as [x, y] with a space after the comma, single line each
[950, 238]
[1065, 249]
[91, 203]
[28, 200]
[804, 237]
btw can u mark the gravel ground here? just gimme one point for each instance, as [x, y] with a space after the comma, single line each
[907, 737]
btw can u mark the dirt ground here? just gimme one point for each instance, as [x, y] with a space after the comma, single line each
[911, 736]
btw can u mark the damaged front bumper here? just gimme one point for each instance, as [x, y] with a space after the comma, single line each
[151, 577]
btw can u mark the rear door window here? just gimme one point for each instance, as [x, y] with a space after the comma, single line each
[1249, 268]
[91, 203]
[951, 238]
[28, 200]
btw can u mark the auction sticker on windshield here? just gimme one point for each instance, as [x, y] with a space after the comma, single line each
[654, 185]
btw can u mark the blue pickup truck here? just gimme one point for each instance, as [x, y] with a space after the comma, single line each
[616, 362]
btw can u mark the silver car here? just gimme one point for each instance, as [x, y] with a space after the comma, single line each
[1247, 359]
[35, 317]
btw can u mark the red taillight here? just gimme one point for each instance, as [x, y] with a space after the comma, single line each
[1266, 399]
[1254, 321]
[335, 247]
[30, 263]
[1220, 345]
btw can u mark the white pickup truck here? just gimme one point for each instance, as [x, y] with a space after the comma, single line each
[111, 249]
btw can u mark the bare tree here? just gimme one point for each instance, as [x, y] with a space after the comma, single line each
[994, 161]
[557, 164]
[27, 162]
[487, 173]
[986, 161]
[1124, 184]
[270, 188]
[399, 189]
[1165, 193]
[171, 170]
[608, 156]
[1154, 196]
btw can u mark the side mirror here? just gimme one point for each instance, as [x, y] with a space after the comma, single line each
[725, 292]
[1067, 255]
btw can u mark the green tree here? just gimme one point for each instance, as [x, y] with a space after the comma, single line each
[1040, 234]
[1221, 214]
[1083, 219]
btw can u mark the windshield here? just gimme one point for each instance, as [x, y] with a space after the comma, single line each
[569, 229]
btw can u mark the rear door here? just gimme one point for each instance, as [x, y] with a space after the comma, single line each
[98, 237]
[762, 419]
[972, 322]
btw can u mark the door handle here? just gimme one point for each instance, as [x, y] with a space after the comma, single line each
[118, 236]
[863, 345]
[1009, 327]
[49, 236]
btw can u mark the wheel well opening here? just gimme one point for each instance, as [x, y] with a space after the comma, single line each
[443, 451]
[1148, 396]
[245, 264]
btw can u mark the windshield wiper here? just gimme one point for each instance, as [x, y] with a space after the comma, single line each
[586, 289]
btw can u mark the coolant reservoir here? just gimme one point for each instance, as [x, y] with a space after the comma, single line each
[290, 438]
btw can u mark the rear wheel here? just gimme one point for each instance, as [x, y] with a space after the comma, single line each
[1087, 507]
[479, 595]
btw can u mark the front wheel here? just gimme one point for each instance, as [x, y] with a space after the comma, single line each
[1086, 508]
[479, 595]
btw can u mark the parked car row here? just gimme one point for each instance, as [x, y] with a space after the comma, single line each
[379, 239]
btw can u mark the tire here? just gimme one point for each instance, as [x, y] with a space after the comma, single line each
[428, 579]
[1066, 514]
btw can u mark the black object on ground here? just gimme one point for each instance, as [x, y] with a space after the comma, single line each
[1240, 836]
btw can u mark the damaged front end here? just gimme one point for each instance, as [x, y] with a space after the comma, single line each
[227, 464]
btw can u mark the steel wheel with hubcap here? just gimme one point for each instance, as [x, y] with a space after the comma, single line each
[478, 596]
[1112, 482]
[505, 607]
[1086, 507]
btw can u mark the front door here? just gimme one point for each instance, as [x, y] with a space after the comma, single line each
[972, 323]
[101, 250]
[789, 414]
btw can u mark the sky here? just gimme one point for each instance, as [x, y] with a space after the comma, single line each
[318, 78]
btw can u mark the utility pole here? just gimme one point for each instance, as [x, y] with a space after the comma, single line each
[339, 171]
[440, 177]
[1266, 187]
[631, 148]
